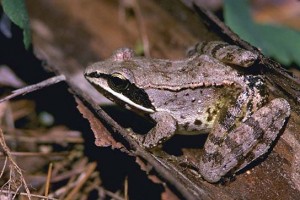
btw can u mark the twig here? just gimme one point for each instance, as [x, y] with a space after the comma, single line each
[66, 175]
[24, 194]
[13, 164]
[48, 179]
[61, 192]
[34, 87]
[4, 165]
[42, 139]
[113, 195]
[17, 191]
[51, 154]
[90, 168]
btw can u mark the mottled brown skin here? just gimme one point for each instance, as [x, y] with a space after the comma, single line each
[200, 94]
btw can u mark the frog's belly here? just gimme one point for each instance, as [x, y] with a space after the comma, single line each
[195, 110]
[197, 132]
[195, 126]
[197, 119]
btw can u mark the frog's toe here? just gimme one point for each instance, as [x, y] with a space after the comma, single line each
[139, 138]
[149, 144]
[143, 141]
[185, 162]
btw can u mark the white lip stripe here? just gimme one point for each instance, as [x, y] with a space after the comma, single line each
[127, 100]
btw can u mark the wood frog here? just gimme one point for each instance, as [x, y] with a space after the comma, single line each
[204, 93]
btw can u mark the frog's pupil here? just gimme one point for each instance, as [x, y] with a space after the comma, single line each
[118, 84]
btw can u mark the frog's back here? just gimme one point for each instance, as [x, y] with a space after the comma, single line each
[196, 71]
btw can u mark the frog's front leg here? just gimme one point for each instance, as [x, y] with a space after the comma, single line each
[165, 128]
[240, 146]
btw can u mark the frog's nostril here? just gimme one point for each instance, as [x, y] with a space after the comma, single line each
[92, 74]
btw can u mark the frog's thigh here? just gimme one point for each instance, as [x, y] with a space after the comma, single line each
[254, 135]
[164, 129]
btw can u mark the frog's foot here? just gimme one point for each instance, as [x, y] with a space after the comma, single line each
[138, 138]
[183, 161]
[226, 53]
[188, 163]
[245, 143]
[144, 140]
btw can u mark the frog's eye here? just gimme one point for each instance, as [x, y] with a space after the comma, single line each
[118, 82]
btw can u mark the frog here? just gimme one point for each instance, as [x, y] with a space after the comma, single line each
[206, 93]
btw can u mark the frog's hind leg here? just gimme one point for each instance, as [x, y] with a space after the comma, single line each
[227, 53]
[243, 142]
[213, 155]
[280, 110]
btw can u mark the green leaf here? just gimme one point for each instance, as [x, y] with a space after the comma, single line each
[17, 13]
[278, 42]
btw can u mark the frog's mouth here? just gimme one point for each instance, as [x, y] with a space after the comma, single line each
[121, 91]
